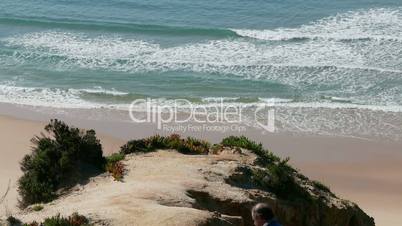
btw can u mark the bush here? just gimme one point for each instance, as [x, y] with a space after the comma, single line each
[157, 142]
[56, 221]
[115, 167]
[58, 161]
[117, 170]
[74, 220]
[277, 176]
[135, 146]
[193, 146]
[115, 157]
[281, 182]
[174, 141]
[12, 221]
[265, 157]
[242, 142]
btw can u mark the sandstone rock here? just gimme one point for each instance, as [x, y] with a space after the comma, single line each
[168, 188]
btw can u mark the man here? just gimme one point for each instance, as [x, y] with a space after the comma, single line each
[263, 215]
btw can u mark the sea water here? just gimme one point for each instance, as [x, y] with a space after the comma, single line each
[312, 54]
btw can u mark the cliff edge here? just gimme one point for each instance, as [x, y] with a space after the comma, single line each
[169, 188]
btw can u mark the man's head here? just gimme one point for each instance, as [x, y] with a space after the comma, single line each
[262, 213]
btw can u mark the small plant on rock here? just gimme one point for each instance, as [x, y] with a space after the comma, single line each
[37, 208]
[117, 169]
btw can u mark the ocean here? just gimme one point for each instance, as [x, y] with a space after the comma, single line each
[310, 54]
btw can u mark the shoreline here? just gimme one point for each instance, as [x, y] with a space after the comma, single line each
[363, 171]
[341, 123]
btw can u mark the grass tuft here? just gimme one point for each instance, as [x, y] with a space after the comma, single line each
[37, 208]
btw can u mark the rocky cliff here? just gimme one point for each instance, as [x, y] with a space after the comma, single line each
[169, 188]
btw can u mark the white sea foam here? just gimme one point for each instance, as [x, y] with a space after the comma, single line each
[377, 24]
[100, 90]
[337, 119]
[222, 56]
[54, 97]
[70, 98]
[41, 97]
[352, 68]
[275, 100]
[326, 64]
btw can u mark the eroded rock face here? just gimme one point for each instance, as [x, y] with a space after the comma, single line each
[324, 208]
[168, 188]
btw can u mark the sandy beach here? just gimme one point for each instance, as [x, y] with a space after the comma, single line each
[366, 172]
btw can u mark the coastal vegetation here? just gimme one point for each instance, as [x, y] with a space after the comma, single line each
[60, 158]
[66, 156]
[185, 146]
[74, 220]
[115, 166]
[275, 174]
[37, 208]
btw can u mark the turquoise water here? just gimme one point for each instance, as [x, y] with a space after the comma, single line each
[84, 54]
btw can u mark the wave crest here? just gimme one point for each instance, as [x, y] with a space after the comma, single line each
[373, 24]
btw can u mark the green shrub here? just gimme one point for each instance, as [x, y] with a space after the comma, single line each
[283, 182]
[157, 142]
[13, 221]
[58, 161]
[74, 220]
[135, 146]
[149, 144]
[242, 142]
[174, 141]
[193, 146]
[277, 176]
[115, 157]
[265, 157]
[115, 167]
[56, 221]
